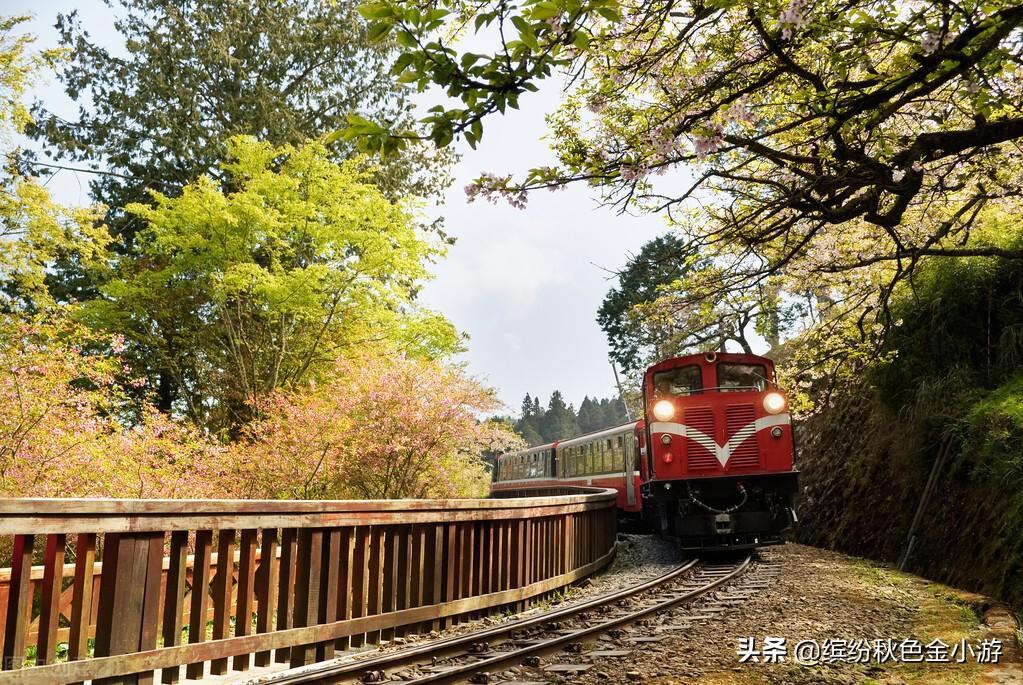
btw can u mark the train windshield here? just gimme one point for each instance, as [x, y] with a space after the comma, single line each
[686, 380]
[741, 377]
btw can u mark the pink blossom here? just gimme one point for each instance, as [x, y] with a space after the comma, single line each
[792, 17]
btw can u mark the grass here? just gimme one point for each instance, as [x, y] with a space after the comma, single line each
[941, 614]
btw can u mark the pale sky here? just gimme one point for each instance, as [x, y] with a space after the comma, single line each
[525, 285]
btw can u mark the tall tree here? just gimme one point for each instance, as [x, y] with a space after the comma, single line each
[237, 294]
[35, 232]
[645, 317]
[196, 73]
[588, 416]
[529, 423]
[559, 421]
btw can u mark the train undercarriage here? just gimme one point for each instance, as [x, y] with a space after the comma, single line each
[735, 512]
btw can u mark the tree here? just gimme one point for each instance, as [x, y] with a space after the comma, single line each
[529, 423]
[379, 426]
[35, 231]
[559, 420]
[651, 315]
[196, 74]
[834, 146]
[62, 418]
[235, 294]
[588, 417]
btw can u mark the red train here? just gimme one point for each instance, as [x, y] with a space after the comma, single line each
[710, 464]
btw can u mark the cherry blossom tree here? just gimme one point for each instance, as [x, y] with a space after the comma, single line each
[823, 148]
[382, 426]
[65, 429]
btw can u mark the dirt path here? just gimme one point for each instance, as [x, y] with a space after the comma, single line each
[821, 595]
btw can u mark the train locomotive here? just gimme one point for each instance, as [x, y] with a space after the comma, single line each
[710, 464]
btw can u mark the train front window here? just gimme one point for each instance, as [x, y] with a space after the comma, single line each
[741, 377]
[686, 380]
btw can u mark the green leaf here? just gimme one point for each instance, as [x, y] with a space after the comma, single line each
[376, 10]
[377, 31]
[405, 40]
[544, 10]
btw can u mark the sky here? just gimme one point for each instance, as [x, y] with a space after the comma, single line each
[524, 285]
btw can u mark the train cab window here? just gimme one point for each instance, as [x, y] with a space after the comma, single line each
[740, 377]
[686, 380]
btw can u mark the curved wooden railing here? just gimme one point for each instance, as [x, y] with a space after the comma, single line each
[113, 598]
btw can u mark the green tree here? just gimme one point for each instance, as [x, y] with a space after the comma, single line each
[648, 315]
[529, 423]
[559, 421]
[36, 232]
[195, 74]
[588, 417]
[235, 294]
[612, 412]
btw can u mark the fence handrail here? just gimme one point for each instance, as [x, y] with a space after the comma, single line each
[40, 516]
[281, 579]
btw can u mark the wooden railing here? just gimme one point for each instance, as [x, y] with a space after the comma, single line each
[289, 581]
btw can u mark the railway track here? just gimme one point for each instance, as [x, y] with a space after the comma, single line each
[479, 655]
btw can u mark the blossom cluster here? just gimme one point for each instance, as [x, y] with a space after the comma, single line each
[493, 188]
[793, 17]
[706, 145]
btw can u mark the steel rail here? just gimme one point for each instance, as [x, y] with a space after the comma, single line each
[458, 643]
[336, 673]
[509, 659]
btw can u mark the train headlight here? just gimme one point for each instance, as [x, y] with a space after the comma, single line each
[664, 410]
[774, 403]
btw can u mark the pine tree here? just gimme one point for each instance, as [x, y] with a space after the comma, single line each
[588, 419]
[559, 422]
[527, 407]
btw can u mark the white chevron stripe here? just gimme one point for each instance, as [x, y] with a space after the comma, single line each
[721, 452]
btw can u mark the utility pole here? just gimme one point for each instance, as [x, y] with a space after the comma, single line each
[621, 395]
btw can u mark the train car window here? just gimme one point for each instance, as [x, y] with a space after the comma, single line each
[686, 380]
[740, 377]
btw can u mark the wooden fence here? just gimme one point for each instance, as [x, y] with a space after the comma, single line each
[281, 581]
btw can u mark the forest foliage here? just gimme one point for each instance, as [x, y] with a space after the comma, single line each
[813, 155]
[242, 322]
[539, 425]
